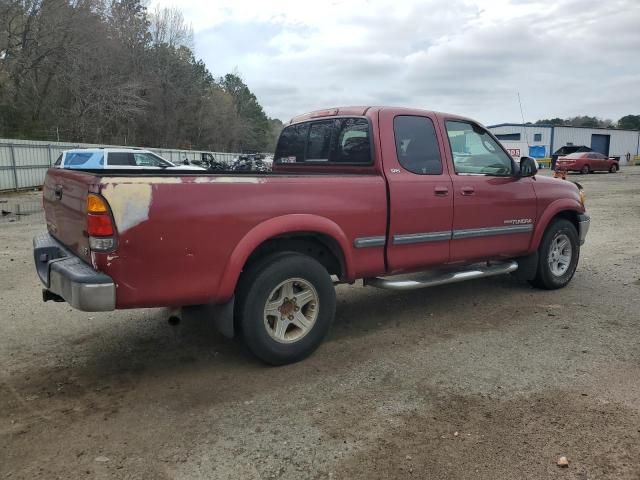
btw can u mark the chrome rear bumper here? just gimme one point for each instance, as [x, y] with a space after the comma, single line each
[68, 277]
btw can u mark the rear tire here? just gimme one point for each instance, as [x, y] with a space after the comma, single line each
[613, 168]
[286, 305]
[558, 256]
[585, 170]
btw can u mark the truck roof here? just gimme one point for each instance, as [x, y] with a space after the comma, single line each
[367, 110]
[108, 149]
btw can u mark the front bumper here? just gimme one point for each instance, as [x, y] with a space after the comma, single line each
[68, 277]
[583, 227]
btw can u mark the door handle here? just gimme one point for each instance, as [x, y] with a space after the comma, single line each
[57, 192]
[468, 190]
[441, 191]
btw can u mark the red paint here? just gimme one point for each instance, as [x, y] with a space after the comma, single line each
[99, 225]
[200, 229]
[594, 161]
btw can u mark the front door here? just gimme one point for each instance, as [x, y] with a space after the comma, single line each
[420, 192]
[494, 209]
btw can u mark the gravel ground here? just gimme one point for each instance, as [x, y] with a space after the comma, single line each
[488, 379]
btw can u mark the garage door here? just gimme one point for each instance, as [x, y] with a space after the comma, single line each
[600, 143]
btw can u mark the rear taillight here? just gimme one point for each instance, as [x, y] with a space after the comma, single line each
[99, 224]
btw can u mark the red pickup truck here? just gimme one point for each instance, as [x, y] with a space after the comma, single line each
[400, 198]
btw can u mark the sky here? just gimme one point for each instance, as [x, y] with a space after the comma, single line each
[469, 57]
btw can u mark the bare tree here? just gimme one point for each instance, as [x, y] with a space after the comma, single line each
[168, 26]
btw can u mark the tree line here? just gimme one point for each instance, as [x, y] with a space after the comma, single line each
[628, 122]
[112, 72]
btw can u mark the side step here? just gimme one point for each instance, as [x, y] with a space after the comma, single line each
[439, 277]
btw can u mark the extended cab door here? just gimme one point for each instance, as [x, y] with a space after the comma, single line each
[494, 209]
[420, 192]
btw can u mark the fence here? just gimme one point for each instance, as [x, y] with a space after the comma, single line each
[24, 163]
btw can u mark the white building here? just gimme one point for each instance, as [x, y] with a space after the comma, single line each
[543, 140]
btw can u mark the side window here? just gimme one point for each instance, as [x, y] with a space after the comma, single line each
[475, 151]
[291, 144]
[121, 159]
[84, 160]
[352, 144]
[146, 160]
[58, 161]
[417, 145]
[319, 141]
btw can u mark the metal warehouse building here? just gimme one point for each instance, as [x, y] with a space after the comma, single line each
[543, 140]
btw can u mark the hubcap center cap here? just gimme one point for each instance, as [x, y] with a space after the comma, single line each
[287, 308]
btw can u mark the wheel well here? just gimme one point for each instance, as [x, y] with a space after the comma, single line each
[570, 215]
[321, 247]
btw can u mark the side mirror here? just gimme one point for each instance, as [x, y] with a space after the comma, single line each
[528, 167]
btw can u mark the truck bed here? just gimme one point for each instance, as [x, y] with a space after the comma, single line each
[200, 225]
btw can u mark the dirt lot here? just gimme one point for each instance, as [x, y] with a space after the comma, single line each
[483, 380]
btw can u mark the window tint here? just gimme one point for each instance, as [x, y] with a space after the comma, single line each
[417, 145]
[291, 144]
[148, 160]
[84, 160]
[121, 159]
[342, 140]
[319, 140]
[508, 136]
[475, 151]
[352, 144]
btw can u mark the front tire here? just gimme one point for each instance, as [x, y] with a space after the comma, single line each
[286, 305]
[558, 256]
[613, 168]
[585, 170]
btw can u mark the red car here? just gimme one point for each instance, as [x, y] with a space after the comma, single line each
[399, 198]
[587, 162]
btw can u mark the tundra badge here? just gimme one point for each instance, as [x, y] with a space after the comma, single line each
[518, 221]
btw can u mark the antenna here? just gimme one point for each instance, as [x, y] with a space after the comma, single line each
[526, 136]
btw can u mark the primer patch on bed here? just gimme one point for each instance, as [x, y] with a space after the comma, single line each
[129, 203]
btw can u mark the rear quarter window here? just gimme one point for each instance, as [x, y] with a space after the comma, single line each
[121, 159]
[417, 145]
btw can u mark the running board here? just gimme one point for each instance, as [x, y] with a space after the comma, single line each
[431, 279]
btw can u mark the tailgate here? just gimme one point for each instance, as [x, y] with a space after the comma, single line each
[64, 198]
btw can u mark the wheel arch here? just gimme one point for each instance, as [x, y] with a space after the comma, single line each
[563, 208]
[316, 236]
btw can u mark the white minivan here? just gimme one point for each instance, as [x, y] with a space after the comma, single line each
[116, 158]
